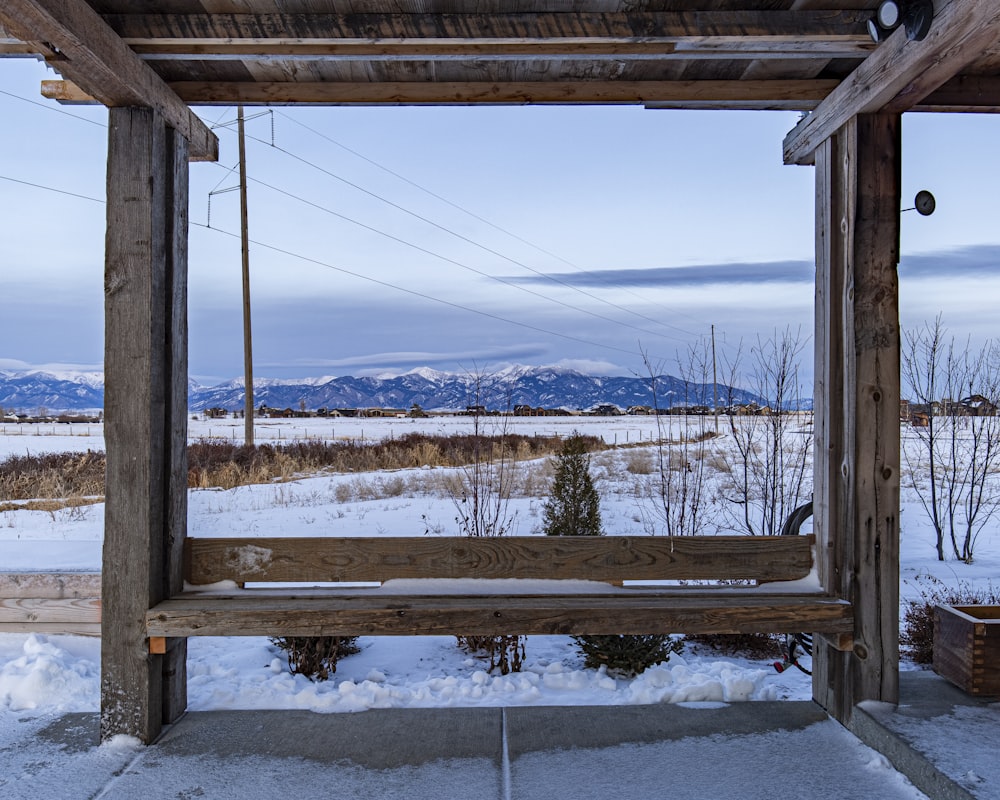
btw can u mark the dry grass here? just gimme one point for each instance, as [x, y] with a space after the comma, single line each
[216, 463]
[51, 505]
[52, 476]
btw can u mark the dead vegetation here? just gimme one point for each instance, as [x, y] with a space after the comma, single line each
[212, 463]
[52, 476]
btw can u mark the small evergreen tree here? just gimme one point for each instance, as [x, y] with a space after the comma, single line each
[573, 509]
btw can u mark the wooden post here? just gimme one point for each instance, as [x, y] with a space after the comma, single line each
[856, 485]
[145, 404]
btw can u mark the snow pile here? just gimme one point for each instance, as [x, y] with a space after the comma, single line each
[47, 678]
[62, 674]
[432, 672]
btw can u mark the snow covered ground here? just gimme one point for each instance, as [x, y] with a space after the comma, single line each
[46, 675]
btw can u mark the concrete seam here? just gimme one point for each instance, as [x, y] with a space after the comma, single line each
[905, 758]
[118, 776]
[504, 757]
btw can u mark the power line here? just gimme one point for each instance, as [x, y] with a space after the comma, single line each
[481, 246]
[422, 295]
[504, 231]
[47, 107]
[455, 262]
[52, 189]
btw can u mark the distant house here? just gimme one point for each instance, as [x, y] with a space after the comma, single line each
[606, 410]
[639, 411]
[977, 406]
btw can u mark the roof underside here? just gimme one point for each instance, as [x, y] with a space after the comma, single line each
[735, 54]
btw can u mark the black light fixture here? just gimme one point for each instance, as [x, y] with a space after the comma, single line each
[924, 203]
[914, 15]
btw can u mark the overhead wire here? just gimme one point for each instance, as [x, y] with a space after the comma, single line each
[455, 262]
[219, 124]
[52, 189]
[459, 207]
[52, 108]
[474, 243]
[422, 295]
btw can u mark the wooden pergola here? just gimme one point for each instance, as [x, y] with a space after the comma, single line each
[148, 67]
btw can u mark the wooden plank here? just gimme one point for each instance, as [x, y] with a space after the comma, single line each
[542, 50]
[53, 628]
[963, 94]
[541, 26]
[143, 263]
[972, 93]
[91, 55]
[789, 95]
[607, 558]
[485, 615]
[901, 73]
[50, 585]
[792, 94]
[29, 611]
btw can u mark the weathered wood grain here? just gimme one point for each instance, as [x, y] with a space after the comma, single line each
[967, 648]
[85, 50]
[145, 339]
[358, 614]
[26, 611]
[857, 458]
[901, 73]
[541, 26]
[792, 94]
[605, 558]
[49, 585]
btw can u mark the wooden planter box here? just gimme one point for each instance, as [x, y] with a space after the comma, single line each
[967, 647]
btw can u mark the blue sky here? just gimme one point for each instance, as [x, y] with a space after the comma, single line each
[460, 238]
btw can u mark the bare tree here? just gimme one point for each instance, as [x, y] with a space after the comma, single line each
[674, 502]
[768, 477]
[954, 396]
[482, 501]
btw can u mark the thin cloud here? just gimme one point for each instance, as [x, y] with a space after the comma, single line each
[417, 358]
[976, 260]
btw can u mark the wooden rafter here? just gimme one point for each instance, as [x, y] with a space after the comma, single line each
[901, 73]
[544, 30]
[788, 95]
[80, 46]
[970, 94]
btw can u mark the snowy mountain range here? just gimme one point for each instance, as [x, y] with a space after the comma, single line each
[548, 387]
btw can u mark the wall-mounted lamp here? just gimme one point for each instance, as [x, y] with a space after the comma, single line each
[924, 203]
[914, 15]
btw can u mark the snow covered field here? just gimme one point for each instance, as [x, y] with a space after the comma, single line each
[43, 675]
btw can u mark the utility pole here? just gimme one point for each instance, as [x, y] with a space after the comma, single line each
[245, 238]
[715, 386]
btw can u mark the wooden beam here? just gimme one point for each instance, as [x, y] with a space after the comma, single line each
[50, 585]
[145, 425]
[972, 93]
[544, 28]
[628, 612]
[901, 73]
[22, 614]
[857, 456]
[91, 55]
[792, 95]
[608, 558]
